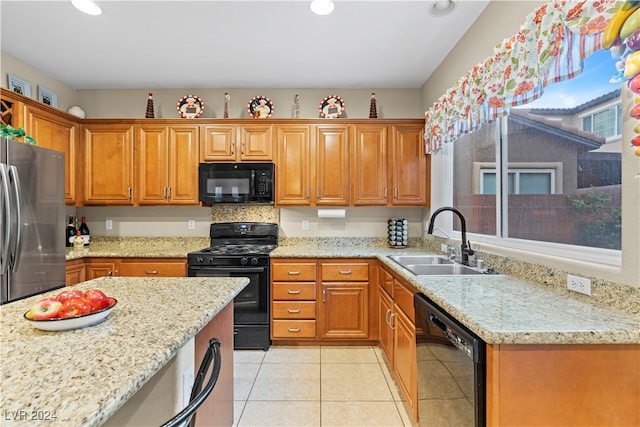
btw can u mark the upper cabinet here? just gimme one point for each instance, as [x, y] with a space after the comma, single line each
[166, 164]
[332, 165]
[293, 165]
[51, 128]
[108, 160]
[251, 142]
[409, 166]
[369, 165]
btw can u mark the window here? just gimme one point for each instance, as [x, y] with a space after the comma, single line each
[606, 123]
[534, 175]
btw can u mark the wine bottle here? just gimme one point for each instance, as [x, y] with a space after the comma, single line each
[84, 232]
[71, 233]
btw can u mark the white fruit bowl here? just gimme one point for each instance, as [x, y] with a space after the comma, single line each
[60, 324]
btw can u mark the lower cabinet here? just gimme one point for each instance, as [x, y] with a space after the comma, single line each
[397, 338]
[322, 300]
[91, 268]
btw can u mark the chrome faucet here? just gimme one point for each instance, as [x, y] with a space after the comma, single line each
[465, 250]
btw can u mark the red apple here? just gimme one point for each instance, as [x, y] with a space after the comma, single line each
[46, 308]
[97, 299]
[68, 294]
[74, 307]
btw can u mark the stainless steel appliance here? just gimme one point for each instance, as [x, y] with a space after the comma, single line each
[241, 249]
[451, 369]
[32, 226]
[236, 183]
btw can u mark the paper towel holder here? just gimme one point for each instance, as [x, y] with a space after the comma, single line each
[332, 213]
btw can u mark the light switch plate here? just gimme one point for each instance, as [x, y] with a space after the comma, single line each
[109, 225]
[191, 224]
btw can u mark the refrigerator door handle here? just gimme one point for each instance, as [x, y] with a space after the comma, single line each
[5, 219]
[15, 179]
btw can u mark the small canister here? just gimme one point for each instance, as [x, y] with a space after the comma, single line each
[398, 232]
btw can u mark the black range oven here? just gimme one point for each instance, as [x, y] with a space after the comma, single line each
[241, 249]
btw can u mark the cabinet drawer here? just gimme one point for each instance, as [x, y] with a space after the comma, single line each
[282, 272]
[403, 298]
[345, 272]
[294, 291]
[294, 329]
[294, 310]
[151, 269]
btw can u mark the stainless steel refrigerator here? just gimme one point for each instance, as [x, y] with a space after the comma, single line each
[32, 226]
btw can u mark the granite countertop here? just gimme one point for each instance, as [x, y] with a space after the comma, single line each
[140, 247]
[52, 372]
[500, 309]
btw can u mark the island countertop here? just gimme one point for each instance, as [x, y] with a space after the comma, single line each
[82, 377]
[500, 309]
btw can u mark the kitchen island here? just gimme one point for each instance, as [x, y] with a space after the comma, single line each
[82, 377]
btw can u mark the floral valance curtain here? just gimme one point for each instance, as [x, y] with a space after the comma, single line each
[550, 46]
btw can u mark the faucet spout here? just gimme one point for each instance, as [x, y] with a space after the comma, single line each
[465, 250]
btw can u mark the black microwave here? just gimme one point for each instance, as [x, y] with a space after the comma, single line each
[236, 183]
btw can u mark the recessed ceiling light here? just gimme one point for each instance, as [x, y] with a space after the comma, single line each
[441, 7]
[322, 7]
[87, 6]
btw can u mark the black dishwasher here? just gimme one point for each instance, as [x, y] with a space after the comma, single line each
[451, 369]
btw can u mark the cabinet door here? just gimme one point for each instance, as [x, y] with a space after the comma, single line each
[404, 356]
[219, 143]
[62, 135]
[256, 143]
[97, 269]
[108, 160]
[332, 165]
[409, 166]
[183, 165]
[152, 158]
[75, 272]
[293, 165]
[385, 310]
[344, 311]
[369, 165]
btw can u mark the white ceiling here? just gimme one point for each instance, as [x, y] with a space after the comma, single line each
[233, 44]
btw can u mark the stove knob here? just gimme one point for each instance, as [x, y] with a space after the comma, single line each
[254, 261]
[210, 260]
[244, 260]
[200, 260]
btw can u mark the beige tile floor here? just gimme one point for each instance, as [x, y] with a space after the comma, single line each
[315, 386]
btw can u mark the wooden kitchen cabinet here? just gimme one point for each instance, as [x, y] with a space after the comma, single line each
[166, 164]
[152, 267]
[61, 134]
[76, 272]
[293, 165]
[246, 142]
[293, 299]
[332, 165]
[101, 267]
[344, 301]
[369, 165]
[397, 338]
[409, 166]
[108, 160]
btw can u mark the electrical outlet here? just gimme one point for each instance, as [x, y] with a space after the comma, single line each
[109, 224]
[579, 284]
[305, 224]
[187, 385]
[191, 224]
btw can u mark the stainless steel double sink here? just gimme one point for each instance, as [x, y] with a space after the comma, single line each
[433, 265]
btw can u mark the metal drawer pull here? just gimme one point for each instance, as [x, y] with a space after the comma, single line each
[293, 292]
[291, 310]
[293, 329]
[391, 322]
[151, 271]
[345, 271]
[293, 273]
[386, 317]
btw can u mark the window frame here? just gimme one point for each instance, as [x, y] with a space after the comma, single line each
[617, 106]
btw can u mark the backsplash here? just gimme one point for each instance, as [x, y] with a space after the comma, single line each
[245, 213]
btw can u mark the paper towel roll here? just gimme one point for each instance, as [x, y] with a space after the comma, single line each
[332, 213]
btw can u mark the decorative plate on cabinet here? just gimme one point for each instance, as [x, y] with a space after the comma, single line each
[331, 107]
[260, 107]
[190, 106]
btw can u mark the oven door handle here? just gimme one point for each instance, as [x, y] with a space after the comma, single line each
[231, 269]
